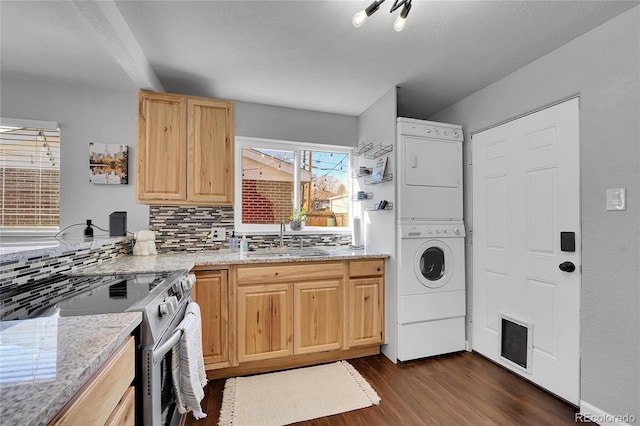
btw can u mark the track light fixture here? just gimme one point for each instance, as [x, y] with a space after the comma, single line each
[400, 22]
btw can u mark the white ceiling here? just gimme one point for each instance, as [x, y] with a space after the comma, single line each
[298, 54]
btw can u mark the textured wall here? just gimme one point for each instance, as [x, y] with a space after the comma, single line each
[378, 125]
[287, 124]
[85, 114]
[603, 67]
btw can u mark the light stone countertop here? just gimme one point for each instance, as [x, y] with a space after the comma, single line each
[45, 361]
[168, 262]
[12, 248]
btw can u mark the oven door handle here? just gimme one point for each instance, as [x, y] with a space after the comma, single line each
[162, 350]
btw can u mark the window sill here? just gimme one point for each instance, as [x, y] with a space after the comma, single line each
[26, 234]
[275, 230]
[21, 248]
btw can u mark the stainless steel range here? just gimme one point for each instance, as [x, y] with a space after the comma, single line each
[162, 299]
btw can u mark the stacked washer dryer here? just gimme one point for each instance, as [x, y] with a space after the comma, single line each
[430, 245]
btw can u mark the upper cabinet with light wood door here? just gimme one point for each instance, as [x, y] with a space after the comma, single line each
[184, 150]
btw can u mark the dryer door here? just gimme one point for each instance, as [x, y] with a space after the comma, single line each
[432, 163]
[434, 264]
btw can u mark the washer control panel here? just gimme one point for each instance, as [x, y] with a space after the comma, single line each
[432, 230]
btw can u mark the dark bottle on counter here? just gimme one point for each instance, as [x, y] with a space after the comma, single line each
[88, 231]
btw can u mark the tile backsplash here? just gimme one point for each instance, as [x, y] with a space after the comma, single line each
[28, 283]
[186, 228]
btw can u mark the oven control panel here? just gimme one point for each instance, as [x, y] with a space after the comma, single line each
[187, 282]
[163, 305]
[168, 306]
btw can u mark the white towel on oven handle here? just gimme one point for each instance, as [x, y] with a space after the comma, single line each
[187, 364]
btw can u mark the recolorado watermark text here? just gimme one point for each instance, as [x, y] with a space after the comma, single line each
[605, 418]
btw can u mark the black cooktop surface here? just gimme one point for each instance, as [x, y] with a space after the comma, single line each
[108, 294]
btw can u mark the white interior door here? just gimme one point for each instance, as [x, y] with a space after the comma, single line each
[525, 193]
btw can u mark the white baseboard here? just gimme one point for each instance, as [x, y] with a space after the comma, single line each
[467, 346]
[601, 417]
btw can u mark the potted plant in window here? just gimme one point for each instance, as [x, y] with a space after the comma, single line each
[298, 218]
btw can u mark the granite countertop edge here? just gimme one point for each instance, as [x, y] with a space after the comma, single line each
[90, 341]
[52, 247]
[173, 261]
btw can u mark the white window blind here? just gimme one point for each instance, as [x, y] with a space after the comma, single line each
[29, 178]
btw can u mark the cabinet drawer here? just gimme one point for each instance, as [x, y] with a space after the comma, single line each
[96, 401]
[125, 413]
[366, 268]
[288, 273]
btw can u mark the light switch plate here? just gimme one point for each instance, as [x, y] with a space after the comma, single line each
[616, 199]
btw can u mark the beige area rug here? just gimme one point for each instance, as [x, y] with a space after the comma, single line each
[295, 395]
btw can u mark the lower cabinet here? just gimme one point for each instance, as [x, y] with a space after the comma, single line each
[366, 302]
[264, 322]
[282, 319]
[211, 293]
[296, 309]
[282, 315]
[365, 315]
[317, 318]
[125, 412]
[108, 398]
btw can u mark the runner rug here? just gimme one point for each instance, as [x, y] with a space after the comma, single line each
[295, 395]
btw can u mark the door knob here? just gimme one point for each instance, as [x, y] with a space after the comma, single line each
[567, 266]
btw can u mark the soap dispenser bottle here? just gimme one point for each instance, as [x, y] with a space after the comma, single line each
[244, 244]
[233, 242]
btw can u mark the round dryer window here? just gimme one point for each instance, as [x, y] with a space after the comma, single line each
[433, 264]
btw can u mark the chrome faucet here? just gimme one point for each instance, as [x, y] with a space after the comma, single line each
[281, 232]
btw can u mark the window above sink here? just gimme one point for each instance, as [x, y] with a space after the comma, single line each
[275, 177]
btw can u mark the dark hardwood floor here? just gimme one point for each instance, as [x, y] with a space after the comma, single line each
[455, 389]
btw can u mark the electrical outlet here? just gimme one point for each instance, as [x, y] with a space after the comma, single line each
[217, 234]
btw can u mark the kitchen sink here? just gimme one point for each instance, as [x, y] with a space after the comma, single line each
[270, 252]
[288, 252]
[265, 253]
[307, 252]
